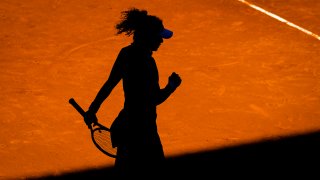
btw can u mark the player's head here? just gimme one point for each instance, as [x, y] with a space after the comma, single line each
[146, 29]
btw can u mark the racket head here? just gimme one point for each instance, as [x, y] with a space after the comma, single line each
[101, 137]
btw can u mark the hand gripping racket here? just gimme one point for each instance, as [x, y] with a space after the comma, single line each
[100, 134]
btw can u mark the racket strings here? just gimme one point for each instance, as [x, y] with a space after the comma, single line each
[103, 139]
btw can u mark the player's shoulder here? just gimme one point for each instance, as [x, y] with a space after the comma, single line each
[125, 54]
[127, 49]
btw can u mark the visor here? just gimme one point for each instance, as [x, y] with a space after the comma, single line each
[166, 33]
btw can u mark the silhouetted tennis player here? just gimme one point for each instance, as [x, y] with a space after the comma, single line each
[134, 131]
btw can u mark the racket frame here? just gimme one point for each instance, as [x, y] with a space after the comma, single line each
[101, 128]
[93, 130]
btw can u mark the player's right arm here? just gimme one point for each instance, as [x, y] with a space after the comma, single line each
[113, 79]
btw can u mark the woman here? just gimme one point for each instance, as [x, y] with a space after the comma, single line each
[134, 132]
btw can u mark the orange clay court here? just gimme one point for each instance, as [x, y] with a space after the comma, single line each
[246, 76]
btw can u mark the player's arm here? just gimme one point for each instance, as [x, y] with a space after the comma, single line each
[173, 83]
[104, 92]
[114, 78]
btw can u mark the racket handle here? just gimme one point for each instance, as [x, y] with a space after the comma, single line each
[76, 106]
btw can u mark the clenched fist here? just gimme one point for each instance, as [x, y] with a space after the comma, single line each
[174, 80]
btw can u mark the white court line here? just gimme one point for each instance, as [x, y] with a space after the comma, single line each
[281, 19]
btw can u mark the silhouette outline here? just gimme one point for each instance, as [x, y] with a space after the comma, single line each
[134, 131]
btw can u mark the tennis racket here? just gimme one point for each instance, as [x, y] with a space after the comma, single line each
[100, 134]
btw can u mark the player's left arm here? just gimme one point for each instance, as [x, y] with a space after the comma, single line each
[173, 82]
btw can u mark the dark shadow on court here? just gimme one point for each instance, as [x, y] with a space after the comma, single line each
[288, 157]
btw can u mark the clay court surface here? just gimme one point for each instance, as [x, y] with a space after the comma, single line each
[246, 77]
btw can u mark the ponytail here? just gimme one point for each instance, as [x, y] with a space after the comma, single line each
[138, 22]
[132, 20]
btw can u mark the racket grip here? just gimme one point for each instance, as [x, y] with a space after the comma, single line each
[76, 106]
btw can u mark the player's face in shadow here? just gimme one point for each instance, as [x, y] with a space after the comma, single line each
[155, 41]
